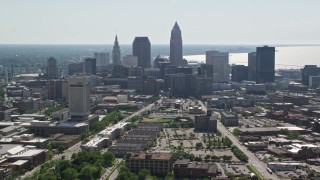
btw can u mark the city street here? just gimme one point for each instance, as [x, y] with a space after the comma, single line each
[253, 160]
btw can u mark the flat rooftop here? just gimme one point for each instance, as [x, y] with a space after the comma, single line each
[150, 156]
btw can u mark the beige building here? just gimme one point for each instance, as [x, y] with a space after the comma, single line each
[79, 97]
[220, 63]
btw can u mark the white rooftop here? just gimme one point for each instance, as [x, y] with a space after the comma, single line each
[19, 162]
[16, 150]
[94, 142]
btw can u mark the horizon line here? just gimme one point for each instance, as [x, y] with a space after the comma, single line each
[219, 44]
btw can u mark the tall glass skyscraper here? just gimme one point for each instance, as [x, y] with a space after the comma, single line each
[265, 64]
[142, 49]
[176, 46]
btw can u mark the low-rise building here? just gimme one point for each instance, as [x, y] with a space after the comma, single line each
[184, 168]
[96, 144]
[158, 163]
[61, 115]
[206, 123]
[229, 119]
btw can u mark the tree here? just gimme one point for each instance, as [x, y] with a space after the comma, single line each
[143, 173]
[198, 145]
[61, 148]
[108, 158]
[69, 174]
[62, 165]
[88, 171]
[169, 176]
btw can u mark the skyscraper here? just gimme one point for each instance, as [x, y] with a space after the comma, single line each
[239, 73]
[265, 64]
[52, 68]
[307, 71]
[252, 66]
[90, 66]
[102, 58]
[116, 53]
[79, 97]
[220, 63]
[142, 49]
[176, 46]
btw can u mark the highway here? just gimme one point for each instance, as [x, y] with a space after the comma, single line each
[77, 147]
[260, 166]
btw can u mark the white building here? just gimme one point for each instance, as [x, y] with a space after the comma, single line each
[102, 58]
[220, 62]
[130, 61]
[79, 97]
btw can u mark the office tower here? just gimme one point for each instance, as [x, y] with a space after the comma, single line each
[314, 82]
[52, 68]
[252, 66]
[204, 86]
[90, 66]
[79, 97]
[135, 83]
[265, 64]
[170, 69]
[142, 49]
[152, 72]
[220, 63]
[307, 71]
[181, 85]
[161, 63]
[130, 61]
[239, 73]
[184, 70]
[54, 88]
[176, 46]
[135, 71]
[150, 86]
[57, 89]
[102, 58]
[205, 70]
[75, 68]
[116, 53]
[206, 123]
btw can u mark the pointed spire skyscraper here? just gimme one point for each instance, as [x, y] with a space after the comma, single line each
[116, 53]
[176, 46]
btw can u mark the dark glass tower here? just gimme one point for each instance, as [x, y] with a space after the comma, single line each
[252, 66]
[90, 66]
[142, 49]
[116, 53]
[239, 73]
[52, 68]
[176, 46]
[265, 64]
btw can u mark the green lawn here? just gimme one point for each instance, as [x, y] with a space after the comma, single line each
[157, 120]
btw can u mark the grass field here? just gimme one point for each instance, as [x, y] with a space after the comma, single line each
[252, 169]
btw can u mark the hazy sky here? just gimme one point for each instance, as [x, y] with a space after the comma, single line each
[201, 21]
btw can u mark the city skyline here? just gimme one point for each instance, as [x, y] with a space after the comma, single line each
[220, 22]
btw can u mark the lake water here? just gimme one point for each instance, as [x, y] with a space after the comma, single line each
[286, 57]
